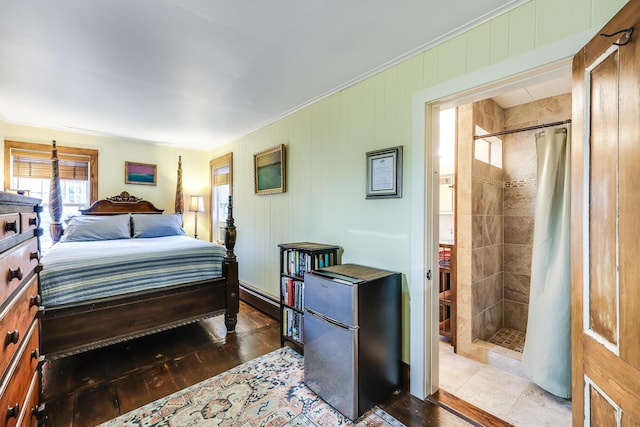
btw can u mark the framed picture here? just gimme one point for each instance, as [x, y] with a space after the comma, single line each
[140, 173]
[269, 171]
[384, 173]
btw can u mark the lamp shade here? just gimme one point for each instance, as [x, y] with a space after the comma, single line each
[196, 204]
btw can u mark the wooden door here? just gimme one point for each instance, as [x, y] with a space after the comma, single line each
[605, 214]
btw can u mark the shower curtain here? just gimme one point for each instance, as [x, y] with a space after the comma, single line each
[546, 357]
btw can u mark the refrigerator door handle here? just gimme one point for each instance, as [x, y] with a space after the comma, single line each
[330, 320]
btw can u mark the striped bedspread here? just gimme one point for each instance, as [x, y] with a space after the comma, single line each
[81, 271]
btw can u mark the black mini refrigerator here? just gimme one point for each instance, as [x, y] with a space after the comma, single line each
[352, 336]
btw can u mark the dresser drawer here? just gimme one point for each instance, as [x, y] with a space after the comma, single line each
[28, 221]
[15, 320]
[16, 264]
[31, 411]
[9, 225]
[16, 384]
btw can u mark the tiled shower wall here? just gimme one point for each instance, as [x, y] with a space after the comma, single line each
[487, 233]
[520, 163]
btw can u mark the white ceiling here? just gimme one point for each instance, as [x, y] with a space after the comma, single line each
[198, 73]
[549, 87]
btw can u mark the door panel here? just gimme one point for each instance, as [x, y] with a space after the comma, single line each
[605, 252]
[627, 421]
[602, 412]
[602, 299]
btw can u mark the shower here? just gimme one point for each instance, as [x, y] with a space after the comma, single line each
[496, 195]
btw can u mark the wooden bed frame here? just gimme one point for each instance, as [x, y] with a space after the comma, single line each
[74, 328]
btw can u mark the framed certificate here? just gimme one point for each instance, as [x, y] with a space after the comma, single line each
[384, 173]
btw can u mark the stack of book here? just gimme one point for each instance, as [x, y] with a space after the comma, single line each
[298, 263]
[292, 324]
[292, 292]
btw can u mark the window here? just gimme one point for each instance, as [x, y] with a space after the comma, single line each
[447, 141]
[27, 166]
[221, 188]
[488, 150]
[447, 153]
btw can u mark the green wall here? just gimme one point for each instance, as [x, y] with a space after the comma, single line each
[326, 144]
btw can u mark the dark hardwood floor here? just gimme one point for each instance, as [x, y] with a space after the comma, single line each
[93, 387]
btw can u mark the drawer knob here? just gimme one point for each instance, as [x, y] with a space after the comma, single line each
[34, 255]
[38, 411]
[12, 337]
[13, 411]
[35, 300]
[11, 226]
[33, 221]
[35, 354]
[15, 274]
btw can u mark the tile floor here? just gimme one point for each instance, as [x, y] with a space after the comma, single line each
[505, 395]
[509, 338]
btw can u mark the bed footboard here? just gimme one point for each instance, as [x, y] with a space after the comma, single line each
[75, 328]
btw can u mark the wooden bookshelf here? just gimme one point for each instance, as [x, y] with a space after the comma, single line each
[296, 259]
[447, 291]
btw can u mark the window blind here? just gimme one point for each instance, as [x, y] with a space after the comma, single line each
[35, 164]
[222, 179]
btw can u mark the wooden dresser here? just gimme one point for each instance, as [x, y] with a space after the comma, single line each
[20, 303]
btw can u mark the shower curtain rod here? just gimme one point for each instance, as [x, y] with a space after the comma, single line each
[505, 132]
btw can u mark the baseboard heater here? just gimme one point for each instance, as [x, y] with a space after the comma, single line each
[265, 303]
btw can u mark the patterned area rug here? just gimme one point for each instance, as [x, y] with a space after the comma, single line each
[266, 391]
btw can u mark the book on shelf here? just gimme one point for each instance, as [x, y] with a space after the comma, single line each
[292, 324]
[324, 260]
[292, 292]
[297, 263]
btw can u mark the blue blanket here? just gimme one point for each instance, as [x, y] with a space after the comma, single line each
[82, 271]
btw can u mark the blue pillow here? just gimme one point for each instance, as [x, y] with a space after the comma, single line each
[104, 227]
[157, 225]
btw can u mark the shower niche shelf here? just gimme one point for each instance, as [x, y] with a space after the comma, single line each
[447, 291]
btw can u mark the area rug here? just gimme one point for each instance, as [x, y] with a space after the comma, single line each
[267, 391]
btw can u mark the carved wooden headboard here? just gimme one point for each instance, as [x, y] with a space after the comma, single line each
[119, 204]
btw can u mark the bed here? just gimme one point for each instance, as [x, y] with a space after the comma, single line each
[123, 269]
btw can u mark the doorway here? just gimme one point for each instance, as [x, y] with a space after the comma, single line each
[529, 68]
[494, 227]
